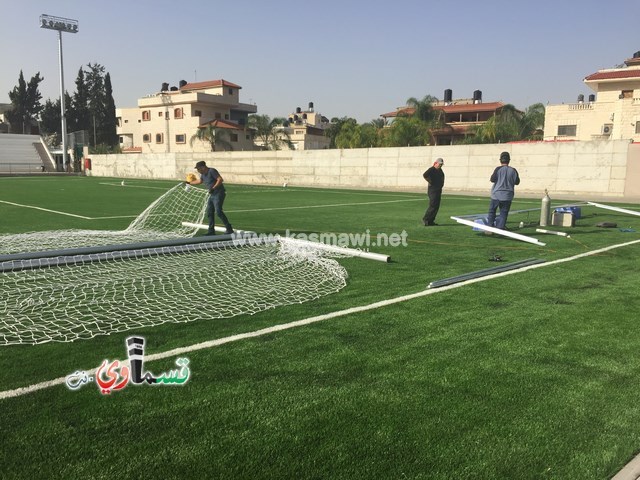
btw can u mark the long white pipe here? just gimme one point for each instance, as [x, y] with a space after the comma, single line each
[202, 226]
[615, 209]
[551, 232]
[352, 252]
[498, 231]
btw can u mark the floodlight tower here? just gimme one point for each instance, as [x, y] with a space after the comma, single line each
[61, 25]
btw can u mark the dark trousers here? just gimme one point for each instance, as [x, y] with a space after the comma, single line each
[434, 195]
[214, 207]
[501, 221]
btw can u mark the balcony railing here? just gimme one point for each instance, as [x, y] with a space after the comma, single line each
[580, 106]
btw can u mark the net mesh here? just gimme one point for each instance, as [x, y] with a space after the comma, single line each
[151, 287]
[160, 220]
[67, 296]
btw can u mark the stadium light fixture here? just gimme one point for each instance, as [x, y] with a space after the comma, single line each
[67, 25]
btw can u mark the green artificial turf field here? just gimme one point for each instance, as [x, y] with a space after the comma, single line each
[528, 375]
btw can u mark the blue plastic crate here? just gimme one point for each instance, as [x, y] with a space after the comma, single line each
[575, 211]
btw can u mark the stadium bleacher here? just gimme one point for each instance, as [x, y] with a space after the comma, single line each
[23, 154]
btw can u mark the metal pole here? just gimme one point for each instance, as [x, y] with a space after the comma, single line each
[62, 106]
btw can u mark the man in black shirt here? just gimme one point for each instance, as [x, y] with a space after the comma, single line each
[435, 178]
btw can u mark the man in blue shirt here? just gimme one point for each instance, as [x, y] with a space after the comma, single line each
[214, 183]
[504, 179]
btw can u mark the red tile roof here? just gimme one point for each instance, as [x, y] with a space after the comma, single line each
[222, 124]
[620, 74]
[459, 108]
[208, 84]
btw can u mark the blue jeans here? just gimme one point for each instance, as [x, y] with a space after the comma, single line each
[501, 221]
[214, 207]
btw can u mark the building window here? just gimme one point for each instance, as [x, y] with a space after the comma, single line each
[218, 116]
[637, 127]
[233, 137]
[126, 121]
[119, 122]
[146, 138]
[226, 116]
[567, 130]
[626, 94]
[159, 138]
[181, 138]
[197, 113]
[231, 91]
[177, 113]
[120, 139]
[159, 114]
[146, 115]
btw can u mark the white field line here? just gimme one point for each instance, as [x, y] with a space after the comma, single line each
[131, 186]
[46, 210]
[298, 207]
[308, 321]
[322, 206]
[273, 188]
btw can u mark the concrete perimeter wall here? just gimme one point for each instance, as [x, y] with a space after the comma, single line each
[587, 170]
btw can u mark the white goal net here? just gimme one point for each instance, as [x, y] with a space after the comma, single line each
[85, 292]
[160, 220]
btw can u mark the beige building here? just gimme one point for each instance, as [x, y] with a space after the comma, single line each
[306, 129]
[166, 121]
[612, 113]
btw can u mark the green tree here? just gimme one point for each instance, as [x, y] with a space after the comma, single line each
[109, 132]
[50, 123]
[352, 135]
[334, 129]
[423, 109]
[100, 106]
[212, 135]
[79, 117]
[25, 104]
[407, 132]
[510, 125]
[532, 123]
[271, 133]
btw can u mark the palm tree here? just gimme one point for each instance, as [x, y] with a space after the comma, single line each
[272, 133]
[407, 132]
[510, 125]
[213, 135]
[423, 109]
[532, 123]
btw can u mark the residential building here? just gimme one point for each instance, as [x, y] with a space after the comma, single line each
[458, 116]
[612, 113]
[306, 129]
[166, 121]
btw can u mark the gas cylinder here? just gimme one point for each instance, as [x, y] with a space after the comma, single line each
[545, 210]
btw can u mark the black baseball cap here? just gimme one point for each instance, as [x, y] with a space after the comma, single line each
[201, 163]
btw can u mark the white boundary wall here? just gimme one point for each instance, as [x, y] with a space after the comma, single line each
[599, 169]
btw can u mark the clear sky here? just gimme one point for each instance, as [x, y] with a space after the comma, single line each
[356, 58]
